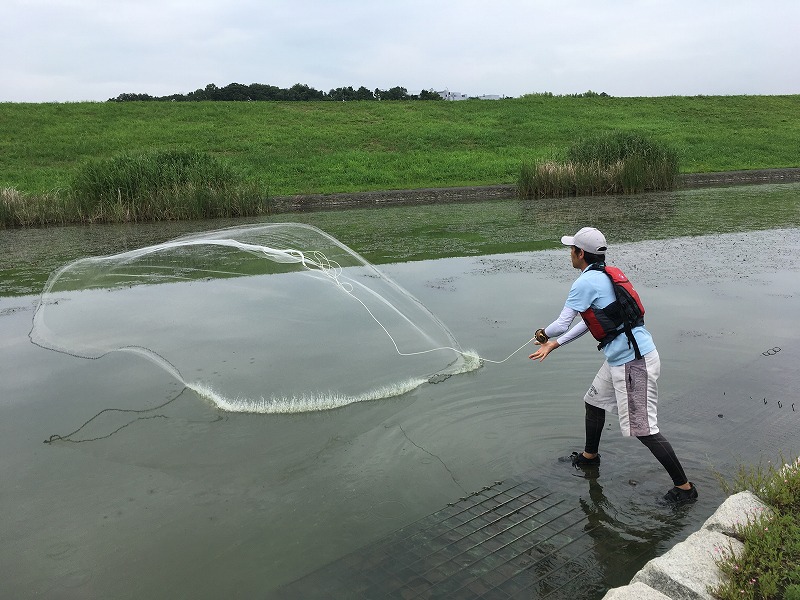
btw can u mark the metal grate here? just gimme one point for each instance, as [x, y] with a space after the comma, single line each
[509, 540]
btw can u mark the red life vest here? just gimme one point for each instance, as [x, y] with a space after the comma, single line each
[622, 315]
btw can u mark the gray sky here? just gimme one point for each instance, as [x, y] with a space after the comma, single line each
[74, 50]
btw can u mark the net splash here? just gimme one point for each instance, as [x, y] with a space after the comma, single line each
[320, 401]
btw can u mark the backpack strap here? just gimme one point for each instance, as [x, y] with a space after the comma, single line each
[627, 326]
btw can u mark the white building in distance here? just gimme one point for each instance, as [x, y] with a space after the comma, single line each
[448, 95]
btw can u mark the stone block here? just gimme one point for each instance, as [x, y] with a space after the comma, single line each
[634, 591]
[688, 569]
[736, 511]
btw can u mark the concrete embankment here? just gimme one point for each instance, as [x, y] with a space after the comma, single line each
[689, 569]
[304, 202]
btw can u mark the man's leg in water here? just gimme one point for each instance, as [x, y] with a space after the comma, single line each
[662, 450]
[595, 421]
[600, 398]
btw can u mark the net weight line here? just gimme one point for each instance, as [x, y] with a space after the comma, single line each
[68, 437]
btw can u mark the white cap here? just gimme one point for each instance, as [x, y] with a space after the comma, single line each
[588, 239]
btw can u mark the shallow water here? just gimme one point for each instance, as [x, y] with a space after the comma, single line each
[190, 501]
[403, 233]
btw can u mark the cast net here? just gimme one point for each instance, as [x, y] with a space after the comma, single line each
[264, 318]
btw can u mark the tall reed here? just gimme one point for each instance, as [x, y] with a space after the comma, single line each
[162, 185]
[28, 210]
[614, 163]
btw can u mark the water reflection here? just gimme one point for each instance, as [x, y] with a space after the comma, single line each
[623, 542]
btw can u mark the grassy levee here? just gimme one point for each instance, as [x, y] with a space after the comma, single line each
[327, 147]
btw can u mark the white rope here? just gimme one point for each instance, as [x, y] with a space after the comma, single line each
[333, 270]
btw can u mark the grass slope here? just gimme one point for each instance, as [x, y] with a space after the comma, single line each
[322, 147]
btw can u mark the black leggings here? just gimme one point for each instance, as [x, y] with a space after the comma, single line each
[656, 443]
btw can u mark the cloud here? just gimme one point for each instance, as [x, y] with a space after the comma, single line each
[70, 50]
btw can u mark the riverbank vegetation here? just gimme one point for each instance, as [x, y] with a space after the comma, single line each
[769, 566]
[295, 148]
[162, 185]
[608, 163]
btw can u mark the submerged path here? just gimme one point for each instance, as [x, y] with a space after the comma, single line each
[518, 538]
[512, 537]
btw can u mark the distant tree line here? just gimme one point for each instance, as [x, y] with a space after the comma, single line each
[587, 94]
[255, 92]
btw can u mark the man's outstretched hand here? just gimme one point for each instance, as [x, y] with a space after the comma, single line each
[544, 350]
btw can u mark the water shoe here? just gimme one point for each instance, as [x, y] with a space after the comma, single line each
[678, 496]
[578, 460]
